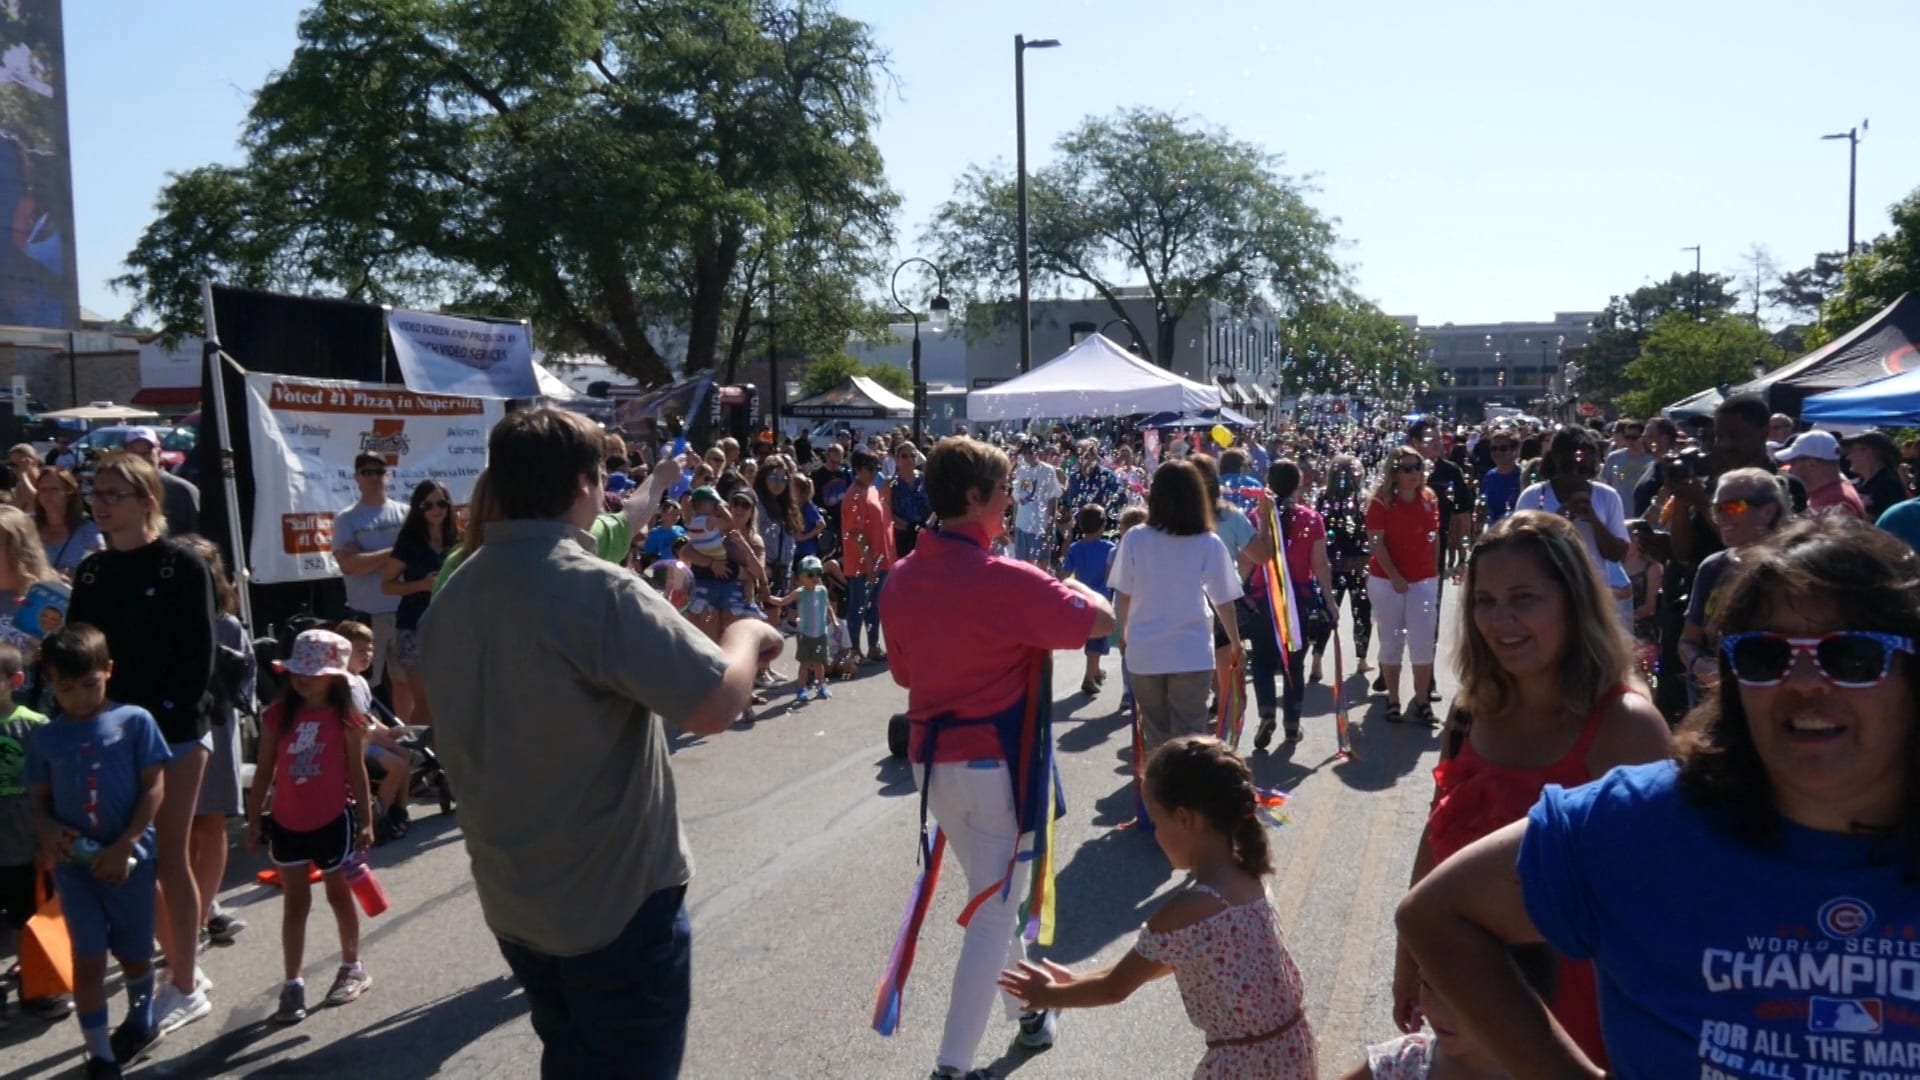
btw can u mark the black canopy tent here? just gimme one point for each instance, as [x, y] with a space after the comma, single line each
[856, 398]
[1886, 344]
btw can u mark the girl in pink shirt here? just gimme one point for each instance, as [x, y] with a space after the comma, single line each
[313, 760]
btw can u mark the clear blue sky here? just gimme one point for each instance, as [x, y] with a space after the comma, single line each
[1488, 159]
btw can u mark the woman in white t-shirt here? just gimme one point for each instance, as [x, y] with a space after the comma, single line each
[1170, 579]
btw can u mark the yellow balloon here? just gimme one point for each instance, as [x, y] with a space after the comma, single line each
[1222, 436]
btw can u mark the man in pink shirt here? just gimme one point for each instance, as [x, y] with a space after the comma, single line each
[1816, 461]
[866, 543]
[969, 632]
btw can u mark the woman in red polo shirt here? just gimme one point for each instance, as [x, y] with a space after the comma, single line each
[964, 629]
[1403, 524]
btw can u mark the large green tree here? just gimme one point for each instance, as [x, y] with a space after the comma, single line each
[1622, 330]
[1343, 343]
[611, 169]
[1683, 355]
[1888, 269]
[1142, 195]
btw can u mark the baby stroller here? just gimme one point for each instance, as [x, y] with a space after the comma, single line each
[427, 777]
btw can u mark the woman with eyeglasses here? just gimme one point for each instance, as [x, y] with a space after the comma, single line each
[153, 599]
[1748, 506]
[1752, 903]
[67, 534]
[1403, 531]
[1548, 695]
[780, 521]
[429, 532]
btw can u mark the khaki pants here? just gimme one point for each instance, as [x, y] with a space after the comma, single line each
[1171, 706]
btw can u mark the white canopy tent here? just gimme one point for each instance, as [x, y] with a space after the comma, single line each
[1094, 378]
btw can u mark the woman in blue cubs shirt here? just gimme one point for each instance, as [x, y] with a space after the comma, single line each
[1751, 908]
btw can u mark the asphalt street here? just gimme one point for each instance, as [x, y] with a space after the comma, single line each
[803, 834]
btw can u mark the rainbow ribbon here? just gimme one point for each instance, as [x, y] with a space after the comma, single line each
[1231, 703]
[1340, 694]
[1286, 618]
[1037, 799]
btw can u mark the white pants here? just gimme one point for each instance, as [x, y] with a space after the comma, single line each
[973, 803]
[1405, 619]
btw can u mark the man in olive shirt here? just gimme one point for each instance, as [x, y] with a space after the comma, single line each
[551, 671]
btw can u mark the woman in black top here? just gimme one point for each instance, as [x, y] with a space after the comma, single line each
[428, 533]
[1343, 505]
[153, 599]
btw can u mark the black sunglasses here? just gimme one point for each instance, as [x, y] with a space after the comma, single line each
[1412, 467]
[373, 472]
[435, 504]
[1504, 447]
[1849, 659]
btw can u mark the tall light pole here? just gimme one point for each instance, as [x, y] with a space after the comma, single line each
[937, 310]
[1696, 278]
[1852, 135]
[1020, 47]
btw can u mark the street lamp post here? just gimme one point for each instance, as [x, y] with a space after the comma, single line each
[1020, 47]
[1696, 278]
[1135, 345]
[1852, 135]
[937, 310]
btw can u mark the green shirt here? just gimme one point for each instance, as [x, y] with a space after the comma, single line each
[17, 839]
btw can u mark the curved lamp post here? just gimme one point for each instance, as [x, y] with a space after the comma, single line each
[937, 311]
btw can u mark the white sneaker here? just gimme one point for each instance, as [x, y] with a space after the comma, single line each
[1037, 1029]
[202, 981]
[173, 1010]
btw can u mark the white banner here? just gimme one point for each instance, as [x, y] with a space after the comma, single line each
[306, 433]
[443, 354]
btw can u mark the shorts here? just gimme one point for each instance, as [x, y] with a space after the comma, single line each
[178, 750]
[1098, 646]
[325, 847]
[16, 895]
[220, 783]
[725, 597]
[406, 650]
[103, 918]
[811, 650]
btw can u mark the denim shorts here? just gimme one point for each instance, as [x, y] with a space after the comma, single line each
[103, 918]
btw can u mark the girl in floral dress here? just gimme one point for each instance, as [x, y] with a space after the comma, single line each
[1218, 936]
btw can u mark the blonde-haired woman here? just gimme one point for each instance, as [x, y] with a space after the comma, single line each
[1749, 505]
[1403, 527]
[23, 564]
[153, 599]
[1548, 695]
[66, 533]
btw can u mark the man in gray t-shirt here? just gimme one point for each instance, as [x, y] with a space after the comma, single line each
[363, 536]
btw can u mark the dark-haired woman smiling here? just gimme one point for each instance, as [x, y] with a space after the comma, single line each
[1755, 899]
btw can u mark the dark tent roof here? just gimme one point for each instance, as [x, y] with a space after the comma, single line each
[1886, 344]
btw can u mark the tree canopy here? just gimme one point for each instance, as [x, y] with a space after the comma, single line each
[1623, 328]
[1345, 344]
[830, 371]
[607, 168]
[1141, 195]
[1683, 355]
[1877, 276]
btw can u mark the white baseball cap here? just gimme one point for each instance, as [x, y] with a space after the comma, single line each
[1811, 444]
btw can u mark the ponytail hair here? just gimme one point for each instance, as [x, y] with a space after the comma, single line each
[1199, 773]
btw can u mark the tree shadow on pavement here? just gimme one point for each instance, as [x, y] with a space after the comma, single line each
[416, 1042]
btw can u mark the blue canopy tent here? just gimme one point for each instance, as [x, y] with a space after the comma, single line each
[1204, 419]
[1890, 402]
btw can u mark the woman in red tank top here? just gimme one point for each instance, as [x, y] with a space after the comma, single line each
[1548, 695]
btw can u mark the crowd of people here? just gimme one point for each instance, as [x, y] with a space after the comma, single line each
[1612, 582]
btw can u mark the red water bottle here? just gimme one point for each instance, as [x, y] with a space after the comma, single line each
[366, 889]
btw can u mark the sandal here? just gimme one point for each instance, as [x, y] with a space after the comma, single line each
[1423, 713]
[1393, 713]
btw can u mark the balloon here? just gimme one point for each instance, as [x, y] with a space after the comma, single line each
[1221, 435]
[674, 580]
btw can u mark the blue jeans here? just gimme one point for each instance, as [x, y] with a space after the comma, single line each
[620, 1010]
[862, 595]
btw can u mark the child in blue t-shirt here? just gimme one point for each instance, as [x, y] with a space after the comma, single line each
[662, 537]
[1088, 560]
[94, 774]
[808, 601]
